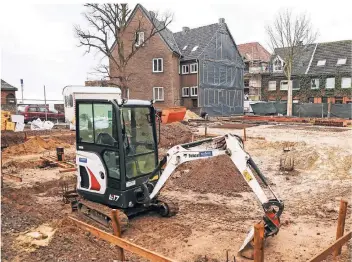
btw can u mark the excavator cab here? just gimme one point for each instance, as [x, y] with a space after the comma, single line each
[116, 151]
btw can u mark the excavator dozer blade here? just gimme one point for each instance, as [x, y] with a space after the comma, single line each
[247, 248]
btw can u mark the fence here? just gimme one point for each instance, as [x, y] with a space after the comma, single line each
[304, 109]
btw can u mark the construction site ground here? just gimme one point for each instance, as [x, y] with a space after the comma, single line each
[217, 208]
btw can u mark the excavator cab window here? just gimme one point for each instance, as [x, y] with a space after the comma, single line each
[139, 141]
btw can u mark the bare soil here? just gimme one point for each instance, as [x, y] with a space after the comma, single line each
[216, 209]
[35, 145]
[217, 175]
[174, 134]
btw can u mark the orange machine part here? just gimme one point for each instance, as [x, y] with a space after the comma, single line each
[173, 114]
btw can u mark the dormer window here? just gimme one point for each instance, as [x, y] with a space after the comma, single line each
[278, 65]
[321, 62]
[341, 61]
[194, 48]
[184, 48]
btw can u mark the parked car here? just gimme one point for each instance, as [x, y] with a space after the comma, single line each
[32, 112]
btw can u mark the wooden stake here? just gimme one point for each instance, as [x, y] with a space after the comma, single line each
[341, 224]
[117, 232]
[259, 242]
[244, 134]
[125, 244]
[337, 244]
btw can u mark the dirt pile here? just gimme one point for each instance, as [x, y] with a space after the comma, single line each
[305, 159]
[215, 175]
[191, 115]
[174, 134]
[35, 145]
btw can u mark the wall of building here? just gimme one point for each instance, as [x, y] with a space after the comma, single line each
[189, 80]
[305, 92]
[140, 67]
[4, 94]
[221, 76]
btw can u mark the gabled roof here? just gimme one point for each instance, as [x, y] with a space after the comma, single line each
[7, 87]
[254, 51]
[200, 37]
[301, 63]
[165, 34]
[331, 52]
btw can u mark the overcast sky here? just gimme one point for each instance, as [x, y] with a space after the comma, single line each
[37, 41]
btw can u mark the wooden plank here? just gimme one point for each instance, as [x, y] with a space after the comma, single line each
[341, 224]
[117, 232]
[337, 244]
[125, 244]
[70, 169]
[259, 242]
[60, 164]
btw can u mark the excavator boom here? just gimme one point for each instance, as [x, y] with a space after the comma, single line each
[232, 146]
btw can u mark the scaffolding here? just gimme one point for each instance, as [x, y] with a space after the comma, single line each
[221, 83]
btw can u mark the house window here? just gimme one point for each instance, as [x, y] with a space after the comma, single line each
[194, 91]
[295, 84]
[345, 82]
[338, 100]
[311, 100]
[139, 38]
[157, 65]
[10, 99]
[246, 83]
[321, 62]
[194, 68]
[278, 64]
[330, 82]
[185, 91]
[272, 86]
[195, 103]
[195, 48]
[341, 61]
[158, 93]
[185, 69]
[284, 85]
[314, 83]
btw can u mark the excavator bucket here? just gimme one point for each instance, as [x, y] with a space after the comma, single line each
[172, 114]
[247, 248]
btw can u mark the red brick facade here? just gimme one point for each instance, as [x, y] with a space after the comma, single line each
[140, 66]
[4, 95]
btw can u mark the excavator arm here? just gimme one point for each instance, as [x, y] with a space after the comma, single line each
[232, 146]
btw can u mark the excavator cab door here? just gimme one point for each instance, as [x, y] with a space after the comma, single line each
[98, 152]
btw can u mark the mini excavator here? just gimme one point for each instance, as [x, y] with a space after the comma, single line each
[118, 165]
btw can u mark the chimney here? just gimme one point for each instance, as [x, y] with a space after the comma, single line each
[221, 20]
[185, 29]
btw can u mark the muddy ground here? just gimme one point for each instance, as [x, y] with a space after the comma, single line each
[216, 207]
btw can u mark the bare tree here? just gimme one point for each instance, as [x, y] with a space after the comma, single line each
[291, 34]
[106, 32]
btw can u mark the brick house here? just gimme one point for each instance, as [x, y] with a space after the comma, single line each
[8, 93]
[256, 59]
[199, 68]
[322, 74]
